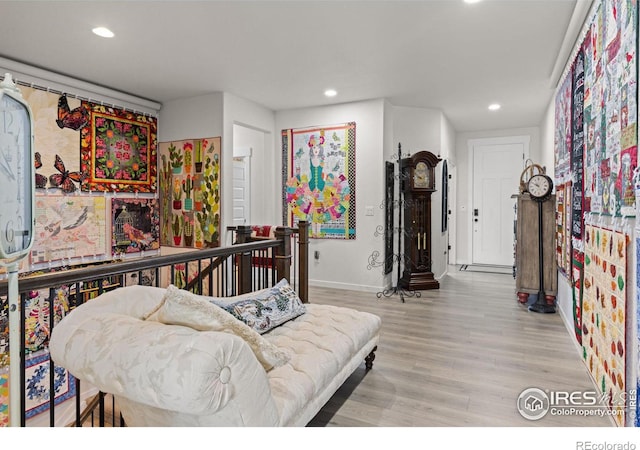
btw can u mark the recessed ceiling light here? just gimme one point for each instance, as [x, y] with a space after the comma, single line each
[330, 93]
[103, 32]
[494, 107]
[472, 1]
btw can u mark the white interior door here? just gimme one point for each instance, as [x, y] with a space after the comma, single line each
[497, 166]
[241, 190]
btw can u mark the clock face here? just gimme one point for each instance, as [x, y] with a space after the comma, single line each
[16, 190]
[540, 186]
[421, 176]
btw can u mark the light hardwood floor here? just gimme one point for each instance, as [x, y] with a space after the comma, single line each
[458, 356]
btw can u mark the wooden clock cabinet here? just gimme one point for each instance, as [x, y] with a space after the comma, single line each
[418, 183]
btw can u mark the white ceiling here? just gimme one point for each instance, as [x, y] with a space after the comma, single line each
[446, 54]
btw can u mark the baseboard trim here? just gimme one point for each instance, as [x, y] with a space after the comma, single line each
[346, 286]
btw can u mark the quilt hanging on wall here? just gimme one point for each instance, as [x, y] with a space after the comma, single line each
[610, 109]
[37, 385]
[637, 343]
[190, 192]
[562, 137]
[135, 225]
[68, 227]
[319, 179]
[563, 228]
[604, 314]
[118, 150]
[56, 139]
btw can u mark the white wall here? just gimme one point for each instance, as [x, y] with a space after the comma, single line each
[418, 129]
[191, 118]
[343, 263]
[464, 172]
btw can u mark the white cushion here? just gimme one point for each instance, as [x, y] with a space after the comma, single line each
[181, 307]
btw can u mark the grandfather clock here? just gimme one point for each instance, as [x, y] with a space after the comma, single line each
[418, 183]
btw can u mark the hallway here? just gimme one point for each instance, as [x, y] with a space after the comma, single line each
[457, 356]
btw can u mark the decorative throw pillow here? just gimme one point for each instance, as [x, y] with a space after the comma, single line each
[266, 309]
[181, 307]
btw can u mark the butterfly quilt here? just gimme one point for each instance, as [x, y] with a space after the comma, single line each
[118, 151]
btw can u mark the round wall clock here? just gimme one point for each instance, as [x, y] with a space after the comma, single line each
[540, 187]
[16, 173]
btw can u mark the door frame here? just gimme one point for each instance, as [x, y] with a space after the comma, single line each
[525, 140]
[244, 154]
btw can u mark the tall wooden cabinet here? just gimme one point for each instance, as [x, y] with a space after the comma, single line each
[528, 251]
[418, 183]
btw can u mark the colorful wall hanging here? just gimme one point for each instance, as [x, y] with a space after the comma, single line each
[68, 227]
[637, 341]
[118, 150]
[135, 225]
[319, 179]
[577, 148]
[4, 393]
[38, 393]
[610, 108]
[190, 192]
[562, 136]
[37, 315]
[50, 138]
[563, 227]
[604, 314]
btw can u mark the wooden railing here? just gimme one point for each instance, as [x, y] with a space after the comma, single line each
[224, 271]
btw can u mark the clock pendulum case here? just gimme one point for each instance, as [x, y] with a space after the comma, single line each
[418, 183]
[535, 245]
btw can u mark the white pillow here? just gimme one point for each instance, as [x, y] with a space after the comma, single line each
[181, 307]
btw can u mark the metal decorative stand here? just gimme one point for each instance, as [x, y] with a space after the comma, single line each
[393, 258]
[541, 305]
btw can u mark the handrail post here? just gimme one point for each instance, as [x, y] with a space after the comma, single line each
[303, 260]
[243, 235]
[283, 253]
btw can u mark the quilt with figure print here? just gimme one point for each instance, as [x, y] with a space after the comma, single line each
[319, 179]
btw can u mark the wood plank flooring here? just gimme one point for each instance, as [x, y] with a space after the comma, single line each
[458, 356]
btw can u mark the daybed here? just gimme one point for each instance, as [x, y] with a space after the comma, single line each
[175, 375]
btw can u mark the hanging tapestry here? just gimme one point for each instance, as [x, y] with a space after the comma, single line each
[118, 150]
[37, 311]
[610, 112]
[4, 392]
[604, 314]
[190, 192]
[562, 138]
[37, 390]
[135, 225]
[637, 343]
[4, 362]
[563, 228]
[319, 179]
[577, 147]
[53, 140]
[145, 277]
[68, 227]
[577, 278]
